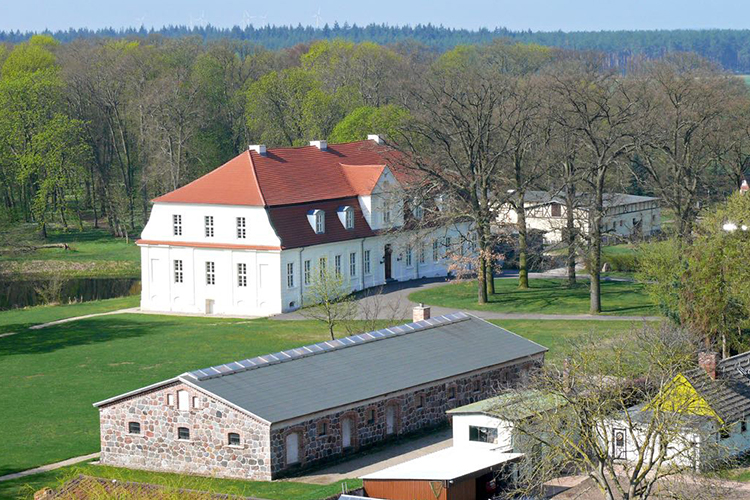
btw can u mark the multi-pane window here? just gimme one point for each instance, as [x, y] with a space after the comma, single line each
[386, 214]
[408, 256]
[367, 261]
[349, 218]
[421, 252]
[209, 225]
[210, 273]
[178, 271]
[482, 434]
[337, 264]
[183, 433]
[353, 264]
[307, 272]
[320, 222]
[233, 439]
[322, 264]
[241, 233]
[134, 428]
[177, 225]
[290, 274]
[241, 274]
[435, 250]
[448, 244]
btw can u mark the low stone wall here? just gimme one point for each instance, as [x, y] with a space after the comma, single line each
[410, 417]
[207, 452]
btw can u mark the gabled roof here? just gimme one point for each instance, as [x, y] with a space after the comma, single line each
[298, 382]
[285, 176]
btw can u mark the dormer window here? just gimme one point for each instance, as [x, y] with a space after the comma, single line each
[346, 216]
[317, 220]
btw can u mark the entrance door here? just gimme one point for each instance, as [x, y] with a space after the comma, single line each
[209, 306]
[346, 432]
[390, 419]
[619, 444]
[387, 261]
[292, 448]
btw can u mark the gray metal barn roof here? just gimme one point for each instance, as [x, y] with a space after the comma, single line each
[302, 381]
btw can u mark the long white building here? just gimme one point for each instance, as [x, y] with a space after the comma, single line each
[246, 238]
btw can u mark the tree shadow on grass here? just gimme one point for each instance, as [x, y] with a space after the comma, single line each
[76, 333]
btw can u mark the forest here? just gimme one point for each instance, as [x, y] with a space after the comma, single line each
[95, 128]
[728, 48]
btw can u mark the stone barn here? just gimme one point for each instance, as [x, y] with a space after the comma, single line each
[273, 415]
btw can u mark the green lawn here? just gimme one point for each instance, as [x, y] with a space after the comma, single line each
[93, 253]
[278, 490]
[545, 296]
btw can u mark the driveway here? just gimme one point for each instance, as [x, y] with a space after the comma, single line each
[383, 458]
[391, 301]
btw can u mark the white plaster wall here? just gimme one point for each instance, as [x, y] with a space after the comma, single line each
[461, 424]
[261, 296]
[259, 229]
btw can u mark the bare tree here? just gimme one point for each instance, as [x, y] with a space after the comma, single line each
[328, 298]
[624, 416]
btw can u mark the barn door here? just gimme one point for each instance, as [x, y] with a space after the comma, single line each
[346, 432]
[390, 419]
[292, 448]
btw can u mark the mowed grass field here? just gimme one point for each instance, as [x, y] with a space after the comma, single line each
[91, 253]
[545, 296]
[52, 376]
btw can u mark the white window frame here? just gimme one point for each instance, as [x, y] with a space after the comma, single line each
[307, 266]
[322, 265]
[408, 258]
[349, 217]
[241, 228]
[210, 272]
[422, 257]
[176, 225]
[178, 273]
[386, 213]
[352, 264]
[320, 222]
[366, 259]
[290, 274]
[208, 222]
[435, 250]
[241, 274]
[337, 265]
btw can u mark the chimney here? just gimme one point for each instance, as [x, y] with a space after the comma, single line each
[321, 145]
[376, 138]
[708, 361]
[420, 312]
[258, 148]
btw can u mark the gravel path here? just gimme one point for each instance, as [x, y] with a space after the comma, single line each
[49, 467]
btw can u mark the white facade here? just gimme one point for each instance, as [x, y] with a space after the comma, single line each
[467, 428]
[626, 216]
[228, 259]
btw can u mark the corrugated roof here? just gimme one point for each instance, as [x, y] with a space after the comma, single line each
[308, 383]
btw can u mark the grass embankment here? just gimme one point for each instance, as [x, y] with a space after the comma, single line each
[278, 490]
[545, 296]
[91, 253]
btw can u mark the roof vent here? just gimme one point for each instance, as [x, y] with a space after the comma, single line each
[321, 145]
[376, 138]
[258, 148]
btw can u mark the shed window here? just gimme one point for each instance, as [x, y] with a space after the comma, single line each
[482, 434]
[183, 433]
[233, 439]
[134, 427]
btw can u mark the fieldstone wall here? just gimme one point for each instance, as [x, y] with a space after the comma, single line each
[413, 411]
[207, 452]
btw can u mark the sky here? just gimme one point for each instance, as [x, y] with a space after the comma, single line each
[537, 15]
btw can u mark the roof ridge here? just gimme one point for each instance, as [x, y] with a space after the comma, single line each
[323, 347]
[255, 178]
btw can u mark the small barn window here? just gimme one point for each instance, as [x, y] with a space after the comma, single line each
[477, 385]
[451, 392]
[134, 428]
[183, 433]
[420, 401]
[233, 439]
[371, 416]
[170, 399]
[182, 400]
[196, 402]
[322, 429]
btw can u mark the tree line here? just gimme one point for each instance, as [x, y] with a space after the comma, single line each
[726, 47]
[96, 128]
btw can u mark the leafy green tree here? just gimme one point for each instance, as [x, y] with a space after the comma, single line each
[366, 120]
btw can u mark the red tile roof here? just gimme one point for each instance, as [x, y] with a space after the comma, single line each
[286, 176]
[291, 224]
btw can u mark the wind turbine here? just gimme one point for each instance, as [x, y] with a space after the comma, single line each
[247, 19]
[317, 19]
[139, 21]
